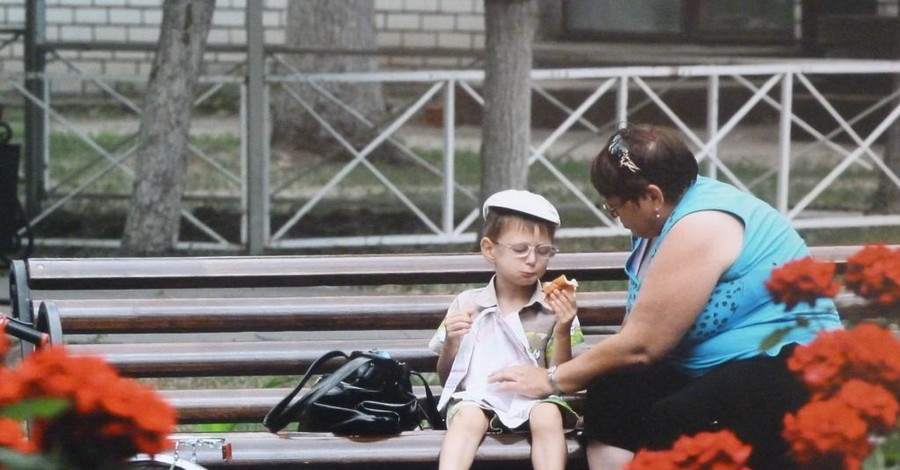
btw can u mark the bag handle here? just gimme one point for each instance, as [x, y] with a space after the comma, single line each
[280, 415]
[430, 411]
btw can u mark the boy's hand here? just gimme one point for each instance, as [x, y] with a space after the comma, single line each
[458, 324]
[564, 307]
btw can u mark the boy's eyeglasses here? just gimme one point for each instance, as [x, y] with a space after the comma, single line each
[522, 250]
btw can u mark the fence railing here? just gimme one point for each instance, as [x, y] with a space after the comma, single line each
[804, 135]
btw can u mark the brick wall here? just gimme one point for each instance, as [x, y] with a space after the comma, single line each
[440, 24]
[454, 24]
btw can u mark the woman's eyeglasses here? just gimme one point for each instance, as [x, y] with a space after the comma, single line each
[612, 211]
[618, 149]
[522, 250]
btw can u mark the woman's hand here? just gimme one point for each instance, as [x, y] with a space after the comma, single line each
[527, 380]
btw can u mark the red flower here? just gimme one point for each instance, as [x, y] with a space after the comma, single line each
[118, 416]
[10, 387]
[877, 406]
[868, 352]
[826, 435]
[705, 451]
[12, 436]
[652, 460]
[802, 280]
[874, 273]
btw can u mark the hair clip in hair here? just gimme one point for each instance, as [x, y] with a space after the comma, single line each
[618, 148]
[626, 161]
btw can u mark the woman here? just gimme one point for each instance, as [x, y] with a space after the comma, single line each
[688, 357]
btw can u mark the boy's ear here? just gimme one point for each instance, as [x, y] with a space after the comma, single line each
[486, 249]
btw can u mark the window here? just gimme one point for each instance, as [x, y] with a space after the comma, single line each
[682, 20]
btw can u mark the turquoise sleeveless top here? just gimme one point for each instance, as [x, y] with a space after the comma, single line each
[740, 313]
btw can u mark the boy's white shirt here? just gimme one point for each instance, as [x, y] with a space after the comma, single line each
[498, 341]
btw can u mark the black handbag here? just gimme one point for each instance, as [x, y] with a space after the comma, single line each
[370, 394]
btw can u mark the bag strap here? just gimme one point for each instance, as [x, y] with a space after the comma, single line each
[280, 415]
[429, 411]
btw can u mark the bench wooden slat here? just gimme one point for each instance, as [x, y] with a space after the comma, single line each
[292, 449]
[217, 359]
[293, 271]
[251, 405]
[388, 312]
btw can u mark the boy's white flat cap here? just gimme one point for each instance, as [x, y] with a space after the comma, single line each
[525, 202]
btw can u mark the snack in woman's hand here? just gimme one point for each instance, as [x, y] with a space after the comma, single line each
[560, 283]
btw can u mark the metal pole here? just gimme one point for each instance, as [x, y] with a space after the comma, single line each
[622, 103]
[784, 142]
[449, 156]
[35, 116]
[712, 123]
[257, 160]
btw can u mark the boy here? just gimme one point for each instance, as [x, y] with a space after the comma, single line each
[510, 321]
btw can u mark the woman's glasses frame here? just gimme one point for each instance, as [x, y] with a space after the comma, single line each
[612, 211]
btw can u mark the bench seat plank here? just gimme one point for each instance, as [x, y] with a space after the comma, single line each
[293, 449]
[251, 405]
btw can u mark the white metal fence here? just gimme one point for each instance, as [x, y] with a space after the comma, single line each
[838, 134]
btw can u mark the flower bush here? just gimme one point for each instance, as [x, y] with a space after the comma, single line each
[82, 414]
[853, 375]
[720, 450]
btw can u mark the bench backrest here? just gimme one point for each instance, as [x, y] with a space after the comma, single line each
[53, 274]
[50, 274]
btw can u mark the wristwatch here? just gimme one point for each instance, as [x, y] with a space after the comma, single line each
[551, 376]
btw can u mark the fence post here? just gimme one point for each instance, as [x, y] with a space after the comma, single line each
[36, 138]
[257, 154]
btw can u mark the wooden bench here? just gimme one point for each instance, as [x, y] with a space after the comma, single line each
[175, 317]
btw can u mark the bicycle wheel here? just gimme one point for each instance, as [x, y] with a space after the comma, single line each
[160, 462]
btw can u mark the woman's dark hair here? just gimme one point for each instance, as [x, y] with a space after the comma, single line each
[639, 155]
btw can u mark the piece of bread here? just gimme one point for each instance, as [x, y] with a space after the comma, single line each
[560, 283]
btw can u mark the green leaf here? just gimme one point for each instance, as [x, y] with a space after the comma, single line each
[216, 427]
[34, 408]
[774, 338]
[16, 461]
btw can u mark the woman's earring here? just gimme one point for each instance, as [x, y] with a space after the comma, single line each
[657, 213]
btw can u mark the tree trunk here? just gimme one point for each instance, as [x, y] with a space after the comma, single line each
[339, 24]
[506, 129]
[153, 222]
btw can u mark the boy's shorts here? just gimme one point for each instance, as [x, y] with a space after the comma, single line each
[569, 417]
